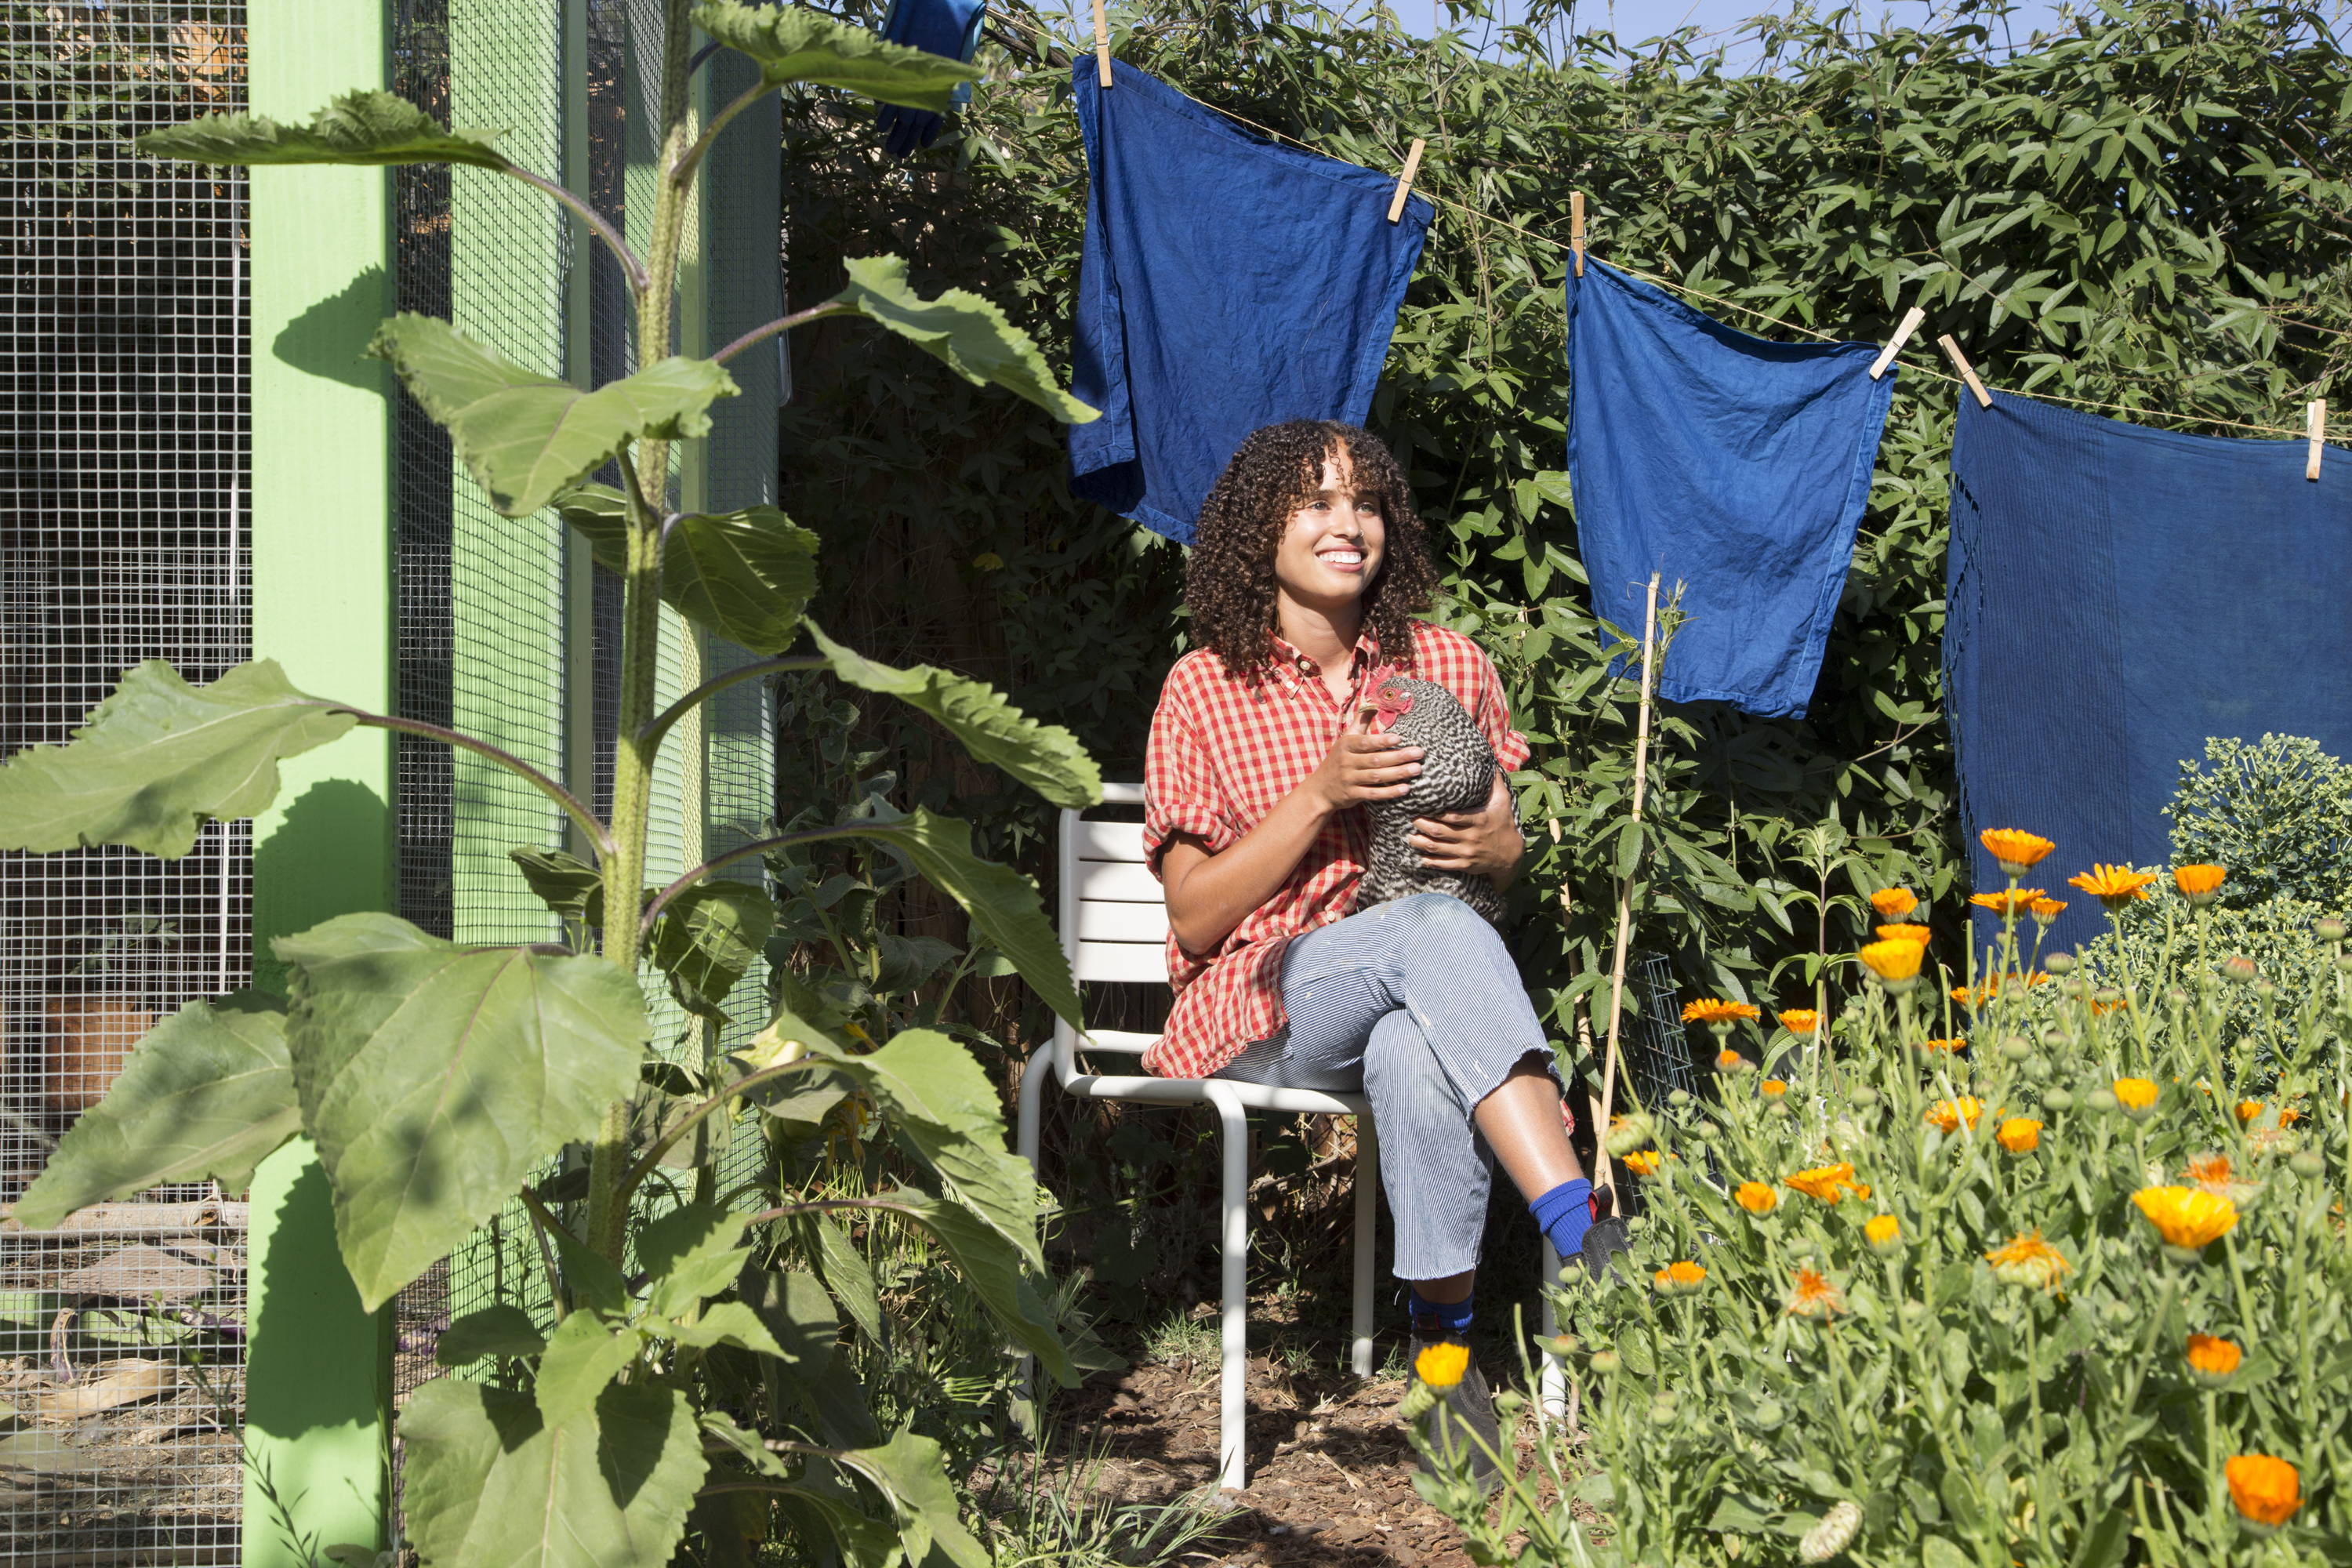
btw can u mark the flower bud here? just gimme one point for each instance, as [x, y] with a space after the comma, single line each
[2174, 996]
[2266, 990]
[1607, 1362]
[1680, 1097]
[2060, 1099]
[1832, 1535]
[2102, 1100]
[2058, 963]
[1863, 1095]
[2238, 968]
[2016, 1048]
[1915, 1310]
[2343, 962]
[1509, 1402]
[2053, 1035]
[2106, 996]
[2327, 928]
[2307, 1163]
[1628, 1132]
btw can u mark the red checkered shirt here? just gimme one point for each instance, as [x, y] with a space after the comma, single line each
[1223, 754]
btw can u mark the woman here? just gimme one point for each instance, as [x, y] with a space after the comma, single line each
[1308, 564]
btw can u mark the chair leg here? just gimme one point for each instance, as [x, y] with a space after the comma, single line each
[1233, 1407]
[1367, 1209]
[1032, 1109]
[1551, 1382]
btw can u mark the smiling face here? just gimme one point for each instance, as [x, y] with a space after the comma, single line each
[1330, 548]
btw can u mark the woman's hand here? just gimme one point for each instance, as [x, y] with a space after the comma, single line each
[1361, 767]
[1486, 842]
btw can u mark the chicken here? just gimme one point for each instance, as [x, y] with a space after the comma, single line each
[1458, 774]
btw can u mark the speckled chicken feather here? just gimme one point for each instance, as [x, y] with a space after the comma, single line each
[1458, 774]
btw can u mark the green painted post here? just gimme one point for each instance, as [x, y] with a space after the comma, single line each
[318, 1381]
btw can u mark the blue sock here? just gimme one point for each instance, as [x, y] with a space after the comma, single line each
[1447, 1316]
[1564, 1215]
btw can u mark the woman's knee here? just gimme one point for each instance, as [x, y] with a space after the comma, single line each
[1437, 925]
[1400, 1067]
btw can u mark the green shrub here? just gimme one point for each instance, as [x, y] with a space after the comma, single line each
[2276, 811]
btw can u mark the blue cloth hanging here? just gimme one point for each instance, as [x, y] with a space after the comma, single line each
[1226, 283]
[948, 27]
[1732, 465]
[2115, 595]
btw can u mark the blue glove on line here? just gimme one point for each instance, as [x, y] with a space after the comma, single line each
[948, 27]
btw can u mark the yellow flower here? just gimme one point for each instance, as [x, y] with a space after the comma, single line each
[2017, 852]
[2135, 1095]
[2211, 1361]
[1643, 1162]
[2188, 1218]
[2248, 1108]
[1679, 1279]
[2267, 1490]
[1800, 1020]
[2048, 910]
[2100, 1009]
[2113, 886]
[1827, 1183]
[1755, 1197]
[1729, 1060]
[1883, 1231]
[1712, 1010]
[2020, 1135]
[1441, 1365]
[2198, 884]
[1895, 963]
[1772, 1087]
[1955, 1043]
[2029, 1260]
[1813, 1296]
[1903, 933]
[1947, 1114]
[2007, 902]
[1893, 903]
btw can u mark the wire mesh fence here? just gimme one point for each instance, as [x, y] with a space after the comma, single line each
[123, 454]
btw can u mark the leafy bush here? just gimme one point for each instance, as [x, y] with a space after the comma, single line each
[1914, 1309]
[2276, 811]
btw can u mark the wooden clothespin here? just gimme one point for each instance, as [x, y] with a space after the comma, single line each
[2314, 425]
[1911, 320]
[1967, 372]
[1102, 47]
[1576, 228]
[1404, 181]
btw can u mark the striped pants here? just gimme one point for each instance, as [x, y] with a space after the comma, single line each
[1416, 1004]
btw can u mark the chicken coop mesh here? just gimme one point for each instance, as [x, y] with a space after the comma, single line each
[123, 452]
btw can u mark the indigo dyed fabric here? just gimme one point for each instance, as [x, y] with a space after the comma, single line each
[1735, 466]
[2115, 595]
[948, 28]
[1226, 283]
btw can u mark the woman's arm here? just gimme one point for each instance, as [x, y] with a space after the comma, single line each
[1210, 894]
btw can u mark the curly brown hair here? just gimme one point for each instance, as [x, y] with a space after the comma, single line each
[1230, 584]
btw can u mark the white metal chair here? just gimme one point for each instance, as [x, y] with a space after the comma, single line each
[1113, 925]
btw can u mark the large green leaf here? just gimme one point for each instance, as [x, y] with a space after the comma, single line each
[436, 1077]
[745, 574]
[370, 128]
[998, 1276]
[583, 1356]
[486, 1483]
[500, 1330]
[707, 937]
[525, 437]
[204, 1097]
[158, 759]
[911, 1473]
[689, 1253]
[966, 332]
[565, 883]
[793, 43]
[1045, 757]
[1004, 906]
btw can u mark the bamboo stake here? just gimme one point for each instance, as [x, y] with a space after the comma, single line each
[1625, 893]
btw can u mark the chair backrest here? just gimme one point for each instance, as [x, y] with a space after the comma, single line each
[1114, 915]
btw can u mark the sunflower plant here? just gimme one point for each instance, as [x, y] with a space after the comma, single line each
[2072, 1290]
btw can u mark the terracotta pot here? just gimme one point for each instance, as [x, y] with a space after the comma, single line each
[87, 1038]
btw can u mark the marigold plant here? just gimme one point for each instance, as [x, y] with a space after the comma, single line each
[1894, 903]
[2014, 851]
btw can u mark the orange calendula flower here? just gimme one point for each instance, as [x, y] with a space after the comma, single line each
[2267, 1490]
[1771, 1088]
[1441, 1365]
[1956, 1043]
[1679, 1279]
[2113, 886]
[2047, 909]
[2188, 1218]
[1715, 1010]
[2029, 1260]
[1883, 1231]
[2198, 884]
[1947, 1114]
[1729, 1060]
[2248, 1109]
[1812, 1296]
[1893, 903]
[1643, 1161]
[1755, 1197]
[2016, 852]
[1903, 933]
[1800, 1020]
[2211, 1361]
[2007, 902]
[2135, 1095]
[1827, 1183]
[1895, 963]
[2111, 1005]
[2020, 1135]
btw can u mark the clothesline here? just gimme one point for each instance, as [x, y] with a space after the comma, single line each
[1676, 285]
